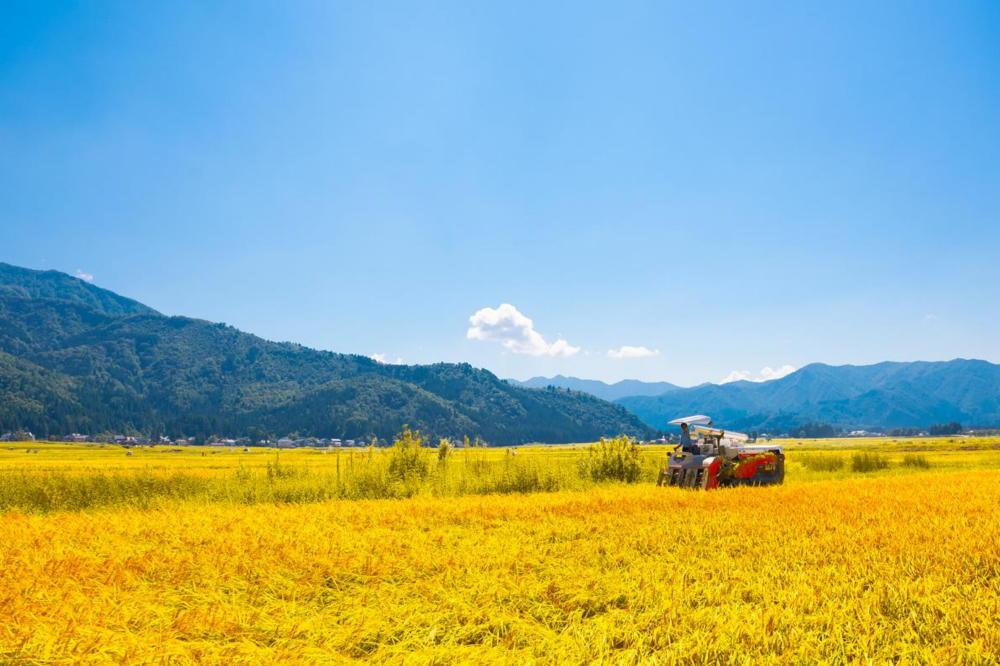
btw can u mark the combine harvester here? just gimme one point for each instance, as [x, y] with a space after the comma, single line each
[720, 459]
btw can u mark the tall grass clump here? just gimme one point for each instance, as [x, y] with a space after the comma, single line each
[822, 463]
[61, 492]
[444, 450]
[519, 476]
[407, 459]
[277, 472]
[612, 459]
[868, 462]
[916, 460]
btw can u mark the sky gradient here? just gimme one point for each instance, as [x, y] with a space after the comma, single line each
[661, 191]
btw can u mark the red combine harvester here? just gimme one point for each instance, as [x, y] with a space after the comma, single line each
[720, 458]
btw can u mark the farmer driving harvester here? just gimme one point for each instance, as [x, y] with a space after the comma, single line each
[687, 446]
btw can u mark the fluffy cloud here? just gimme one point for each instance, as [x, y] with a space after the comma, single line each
[628, 351]
[515, 332]
[86, 277]
[766, 374]
[385, 360]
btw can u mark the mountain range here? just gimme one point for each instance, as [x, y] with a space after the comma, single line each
[78, 358]
[623, 389]
[883, 395]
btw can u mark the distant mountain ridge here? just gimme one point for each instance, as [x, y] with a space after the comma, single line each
[78, 358]
[603, 390]
[883, 395]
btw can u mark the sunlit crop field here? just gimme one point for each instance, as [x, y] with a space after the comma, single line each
[223, 555]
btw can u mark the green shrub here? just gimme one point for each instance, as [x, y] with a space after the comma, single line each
[868, 462]
[615, 459]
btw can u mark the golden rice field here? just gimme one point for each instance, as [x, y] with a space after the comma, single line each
[172, 556]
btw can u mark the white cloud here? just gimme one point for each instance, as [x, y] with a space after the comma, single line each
[628, 351]
[766, 374]
[86, 277]
[735, 376]
[515, 332]
[385, 360]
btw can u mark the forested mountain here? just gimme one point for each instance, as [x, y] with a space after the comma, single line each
[603, 390]
[76, 358]
[53, 285]
[884, 395]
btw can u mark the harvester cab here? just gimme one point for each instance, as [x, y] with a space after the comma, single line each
[721, 458]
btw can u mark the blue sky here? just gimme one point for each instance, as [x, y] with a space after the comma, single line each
[733, 186]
